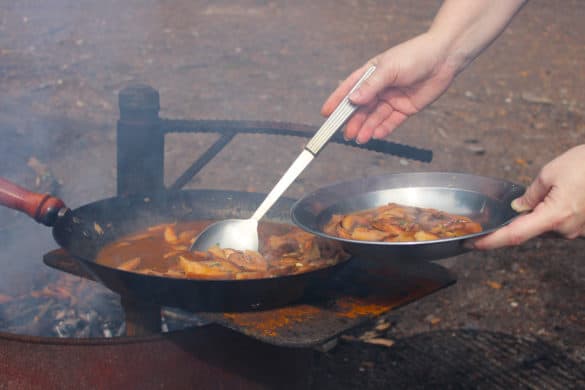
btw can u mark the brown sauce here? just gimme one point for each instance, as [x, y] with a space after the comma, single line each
[163, 250]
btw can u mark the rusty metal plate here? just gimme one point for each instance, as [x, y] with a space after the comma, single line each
[188, 359]
[361, 292]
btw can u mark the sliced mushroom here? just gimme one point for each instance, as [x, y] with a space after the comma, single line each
[130, 265]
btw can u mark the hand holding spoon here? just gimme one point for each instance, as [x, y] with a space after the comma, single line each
[242, 234]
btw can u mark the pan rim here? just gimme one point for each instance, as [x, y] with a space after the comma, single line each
[89, 262]
[362, 182]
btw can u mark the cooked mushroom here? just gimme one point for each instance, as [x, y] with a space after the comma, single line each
[161, 251]
[393, 223]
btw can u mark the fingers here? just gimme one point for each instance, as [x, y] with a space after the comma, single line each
[380, 123]
[557, 198]
[364, 95]
[376, 117]
[370, 88]
[522, 229]
[343, 89]
[354, 124]
[392, 122]
[362, 127]
[534, 194]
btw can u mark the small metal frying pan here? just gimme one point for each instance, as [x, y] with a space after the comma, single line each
[486, 200]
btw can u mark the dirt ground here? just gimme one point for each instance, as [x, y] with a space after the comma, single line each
[62, 64]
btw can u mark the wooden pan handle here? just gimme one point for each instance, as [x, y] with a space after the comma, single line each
[43, 208]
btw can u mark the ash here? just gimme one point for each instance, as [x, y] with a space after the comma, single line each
[64, 307]
[71, 307]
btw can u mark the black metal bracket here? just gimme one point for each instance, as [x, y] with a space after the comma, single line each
[140, 141]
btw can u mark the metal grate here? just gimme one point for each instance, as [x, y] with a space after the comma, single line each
[460, 359]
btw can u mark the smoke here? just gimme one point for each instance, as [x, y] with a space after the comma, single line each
[57, 115]
[63, 63]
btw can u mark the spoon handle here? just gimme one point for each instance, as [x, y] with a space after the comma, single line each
[285, 181]
[331, 125]
[336, 119]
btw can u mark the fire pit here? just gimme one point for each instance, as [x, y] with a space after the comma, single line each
[123, 346]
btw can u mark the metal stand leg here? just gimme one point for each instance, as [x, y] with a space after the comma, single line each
[142, 319]
[140, 141]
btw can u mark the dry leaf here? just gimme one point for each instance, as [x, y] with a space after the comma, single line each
[521, 161]
[432, 319]
[380, 341]
[493, 284]
[98, 228]
[382, 326]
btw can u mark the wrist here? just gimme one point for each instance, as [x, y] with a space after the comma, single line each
[453, 56]
[447, 61]
[465, 29]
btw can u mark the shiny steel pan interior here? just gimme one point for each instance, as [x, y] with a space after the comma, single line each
[485, 200]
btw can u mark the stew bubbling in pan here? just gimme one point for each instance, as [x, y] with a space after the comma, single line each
[163, 250]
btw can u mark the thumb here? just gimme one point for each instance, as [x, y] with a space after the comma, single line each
[534, 194]
[369, 88]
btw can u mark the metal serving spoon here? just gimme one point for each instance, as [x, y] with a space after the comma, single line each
[242, 234]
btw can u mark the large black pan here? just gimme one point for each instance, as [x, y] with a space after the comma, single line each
[84, 231]
[484, 199]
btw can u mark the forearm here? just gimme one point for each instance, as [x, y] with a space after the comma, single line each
[464, 28]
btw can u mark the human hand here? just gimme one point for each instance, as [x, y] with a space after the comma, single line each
[408, 77]
[415, 73]
[556, 201]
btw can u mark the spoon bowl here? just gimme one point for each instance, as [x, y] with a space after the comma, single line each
[238, 234]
